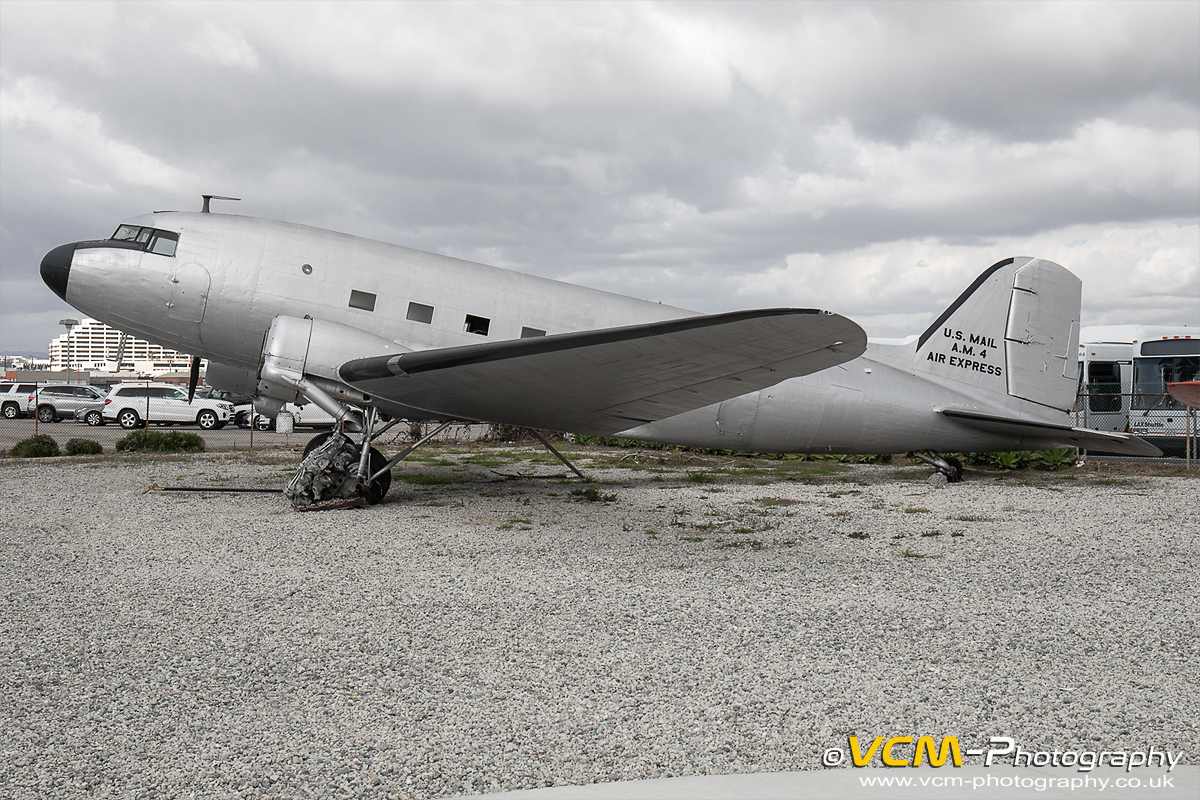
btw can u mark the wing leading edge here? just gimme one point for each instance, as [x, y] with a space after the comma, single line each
[1063, 435]
[604, 381]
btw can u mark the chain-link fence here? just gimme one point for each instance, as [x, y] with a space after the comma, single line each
[1158, 418]
[231, 437]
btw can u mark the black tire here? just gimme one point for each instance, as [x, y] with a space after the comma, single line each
[93, 418]
[129, 419]
[46, 414]
[241, 419]
[956, 467]
[379, 486]
[12, 411]
[219, 425]
[263, 424]
[207, 420]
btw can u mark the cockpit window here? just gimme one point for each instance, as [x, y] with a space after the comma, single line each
[161, 243]
[164, 243]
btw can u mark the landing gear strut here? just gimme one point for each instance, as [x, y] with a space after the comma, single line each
[949, 466]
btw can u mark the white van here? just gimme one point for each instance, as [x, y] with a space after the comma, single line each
[133, 405]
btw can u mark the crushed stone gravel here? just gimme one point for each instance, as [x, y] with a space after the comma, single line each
[494, 627]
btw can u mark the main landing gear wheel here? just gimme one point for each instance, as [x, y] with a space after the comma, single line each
[328, 475]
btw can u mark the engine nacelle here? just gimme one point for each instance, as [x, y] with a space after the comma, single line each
[301, 357]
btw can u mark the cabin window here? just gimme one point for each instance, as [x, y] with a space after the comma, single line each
[529, 333]
[363, 300]
[477, 325]
[420, 313]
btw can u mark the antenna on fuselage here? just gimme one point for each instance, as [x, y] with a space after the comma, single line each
[208, 197]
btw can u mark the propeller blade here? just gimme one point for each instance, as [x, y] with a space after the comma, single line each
[194, 378]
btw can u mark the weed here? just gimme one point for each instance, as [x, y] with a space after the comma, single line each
[591, 494]
[957, 533]
[909, 553]
[916, 510]
[932, 533]
[692, 538]
[700, 477]
[859, 535]
[971, 518]
[772, 502]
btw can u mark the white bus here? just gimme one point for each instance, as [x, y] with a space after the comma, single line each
[1123, 375]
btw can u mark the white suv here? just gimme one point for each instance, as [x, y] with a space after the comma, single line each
[14, 397]
[133, 405]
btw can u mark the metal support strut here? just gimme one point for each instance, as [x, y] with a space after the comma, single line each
[561, 457]
[403, 454]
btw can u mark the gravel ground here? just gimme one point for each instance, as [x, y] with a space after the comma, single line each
[481, 632]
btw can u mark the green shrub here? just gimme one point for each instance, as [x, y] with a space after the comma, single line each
[161, 442]
[83, 447]
[38, 446]
[1055, 459]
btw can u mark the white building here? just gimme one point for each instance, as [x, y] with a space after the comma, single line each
[94, 346]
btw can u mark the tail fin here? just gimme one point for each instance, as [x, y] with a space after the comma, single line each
[1014, 332]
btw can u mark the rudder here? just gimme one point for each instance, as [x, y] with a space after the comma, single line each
[1013, 332]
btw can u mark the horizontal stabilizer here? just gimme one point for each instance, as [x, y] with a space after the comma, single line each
[1052, 434]
[609, 380]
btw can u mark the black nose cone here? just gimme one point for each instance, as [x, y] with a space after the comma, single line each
[56, 268]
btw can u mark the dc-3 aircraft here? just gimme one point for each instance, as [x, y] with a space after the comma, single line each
[374, 333]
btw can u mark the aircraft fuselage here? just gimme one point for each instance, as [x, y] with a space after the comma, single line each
[217, 292]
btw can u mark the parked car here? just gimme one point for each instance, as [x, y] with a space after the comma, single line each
[54, 401]
[132, 405]
[14, 397]
[90, 415]
[309, 415]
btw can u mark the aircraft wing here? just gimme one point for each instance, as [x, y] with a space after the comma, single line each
[604, 381]
[1063, 435]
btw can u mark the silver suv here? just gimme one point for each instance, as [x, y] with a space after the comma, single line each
[55, 401]
[133, 405]
[13, 398]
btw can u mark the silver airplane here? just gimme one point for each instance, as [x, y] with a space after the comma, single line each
[374, 333]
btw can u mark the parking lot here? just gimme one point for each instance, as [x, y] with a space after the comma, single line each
[228, 438]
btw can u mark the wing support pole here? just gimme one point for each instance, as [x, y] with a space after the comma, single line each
[546, 442]
[405, 453]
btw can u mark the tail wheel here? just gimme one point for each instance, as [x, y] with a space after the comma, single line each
[129, 419]
[956, 470]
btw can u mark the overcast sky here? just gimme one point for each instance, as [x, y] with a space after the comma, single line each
[868, 158]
